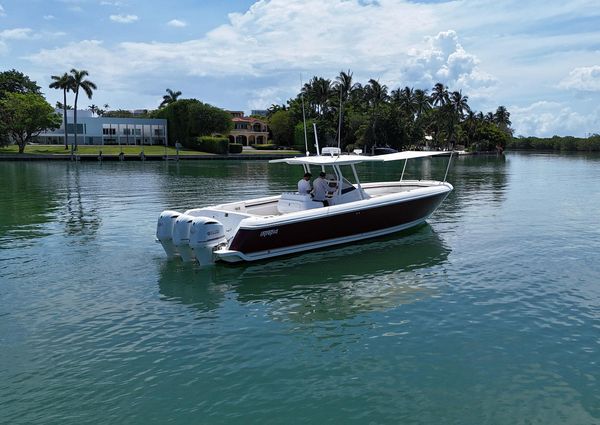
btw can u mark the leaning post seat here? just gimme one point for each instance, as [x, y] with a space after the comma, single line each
[292, 202]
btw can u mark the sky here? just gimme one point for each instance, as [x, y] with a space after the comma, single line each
[538, 58]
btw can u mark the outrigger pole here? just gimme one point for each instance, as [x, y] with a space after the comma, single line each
[316, 138]
[340, 122]
[304, 117]
[448, 167]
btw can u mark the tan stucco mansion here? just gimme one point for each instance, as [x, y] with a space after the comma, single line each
[248, 131]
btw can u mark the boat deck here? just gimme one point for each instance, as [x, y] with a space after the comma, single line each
[267, 207]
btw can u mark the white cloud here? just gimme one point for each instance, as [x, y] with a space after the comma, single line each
[16, 34]
[445, 60]
[547, 119]
[273, 36]
[49, 17]
[586, 78]
[124, 19]
[2, 12]
[176, 23]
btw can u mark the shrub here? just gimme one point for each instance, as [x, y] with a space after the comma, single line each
[265, 146]
[235, 148]
[218, 145]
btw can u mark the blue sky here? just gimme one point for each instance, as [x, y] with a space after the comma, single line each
[540, 59]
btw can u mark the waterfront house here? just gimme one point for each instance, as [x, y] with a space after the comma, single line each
[247, 131]
[98, 130]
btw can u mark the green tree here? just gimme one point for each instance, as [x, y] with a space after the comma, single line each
[25, 115]
[118, 113]
[502, 119]
[79, 82]
[488, 136]
[439, 95]
[14, 81]
[375, 96]
[169, 98]
[65, 83]
[190, 118]
[344, 84]
[282, 127]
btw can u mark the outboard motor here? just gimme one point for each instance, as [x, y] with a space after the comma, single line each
[164, 231]
[206, 235]
[181, 236]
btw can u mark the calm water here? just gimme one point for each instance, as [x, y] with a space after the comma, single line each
[488, 314]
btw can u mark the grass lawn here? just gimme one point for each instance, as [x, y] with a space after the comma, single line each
[270, 152]
[95, 149]
[127, 150]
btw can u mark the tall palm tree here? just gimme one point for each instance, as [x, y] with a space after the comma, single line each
[64, 83]
[471, 122]
[439, 95]
[375, 94]
[79, 82]
[422, 101]
[93, 109]
[169, 98]
[459, 104]
[502, 119]
[344, 84]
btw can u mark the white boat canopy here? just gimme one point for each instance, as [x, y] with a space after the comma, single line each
[355, 159]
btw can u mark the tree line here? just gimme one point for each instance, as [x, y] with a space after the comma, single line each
[357, 115]
[556, 143]
[25, 113]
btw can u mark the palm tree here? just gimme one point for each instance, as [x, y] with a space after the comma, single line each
[439, 96]
[79, 82]
[422, 101]
[459, 104]
[375, 95]
[93, 109]
[471, 122]
[59, 105]
[344, 83]
[64, 83]
[168, 98]
[502, 119]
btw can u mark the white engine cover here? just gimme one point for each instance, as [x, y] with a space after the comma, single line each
[205, 234]
[181, 236]
[164, 231]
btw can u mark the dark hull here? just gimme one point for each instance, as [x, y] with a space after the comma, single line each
[335, 226]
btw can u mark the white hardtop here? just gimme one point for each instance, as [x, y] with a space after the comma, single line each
[355, 159]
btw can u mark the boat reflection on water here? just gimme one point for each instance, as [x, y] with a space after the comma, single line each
[330, 284]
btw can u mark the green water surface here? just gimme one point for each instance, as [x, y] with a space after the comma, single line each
[488, 314]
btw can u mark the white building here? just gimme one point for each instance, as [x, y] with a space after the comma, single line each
[95, 130]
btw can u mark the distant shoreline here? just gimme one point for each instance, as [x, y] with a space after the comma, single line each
[138, 158]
